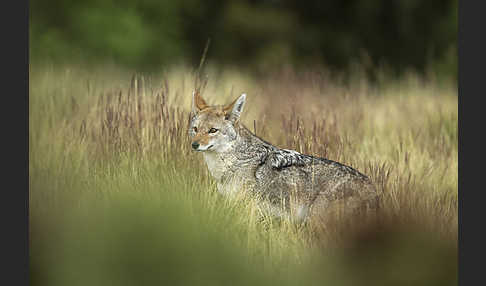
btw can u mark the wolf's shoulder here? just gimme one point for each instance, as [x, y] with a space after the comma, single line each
[280, 159]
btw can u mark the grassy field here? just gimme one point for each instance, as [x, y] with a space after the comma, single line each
[118, 198]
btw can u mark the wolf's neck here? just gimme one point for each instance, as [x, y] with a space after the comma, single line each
[217, 166]
[246, 153]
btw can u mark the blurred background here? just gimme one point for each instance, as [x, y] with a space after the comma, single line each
[117, 197]
[258, 35]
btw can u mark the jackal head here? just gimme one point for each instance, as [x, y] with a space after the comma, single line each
[213, 128]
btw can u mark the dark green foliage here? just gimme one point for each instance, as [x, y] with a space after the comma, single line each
[146, 34]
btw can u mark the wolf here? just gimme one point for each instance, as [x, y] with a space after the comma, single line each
[286, 182]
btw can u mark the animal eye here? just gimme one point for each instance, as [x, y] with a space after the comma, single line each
[213, 130]
[195, 129]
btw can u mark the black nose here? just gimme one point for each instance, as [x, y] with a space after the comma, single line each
[195, 145]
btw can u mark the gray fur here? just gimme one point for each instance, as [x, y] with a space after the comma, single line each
[288, 181]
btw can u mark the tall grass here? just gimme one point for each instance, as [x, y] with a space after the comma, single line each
[117, 196]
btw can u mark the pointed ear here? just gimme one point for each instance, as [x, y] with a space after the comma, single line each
[234, 109]
[198, 102]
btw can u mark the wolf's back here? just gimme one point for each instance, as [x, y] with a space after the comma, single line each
[312, 180]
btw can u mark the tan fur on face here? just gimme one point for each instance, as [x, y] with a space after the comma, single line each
[201, 138]
[211, 115]
[214, 111]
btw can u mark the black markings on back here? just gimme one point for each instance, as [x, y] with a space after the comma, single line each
[283, 158]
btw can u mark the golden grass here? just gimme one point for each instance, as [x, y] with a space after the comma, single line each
[96, 136]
